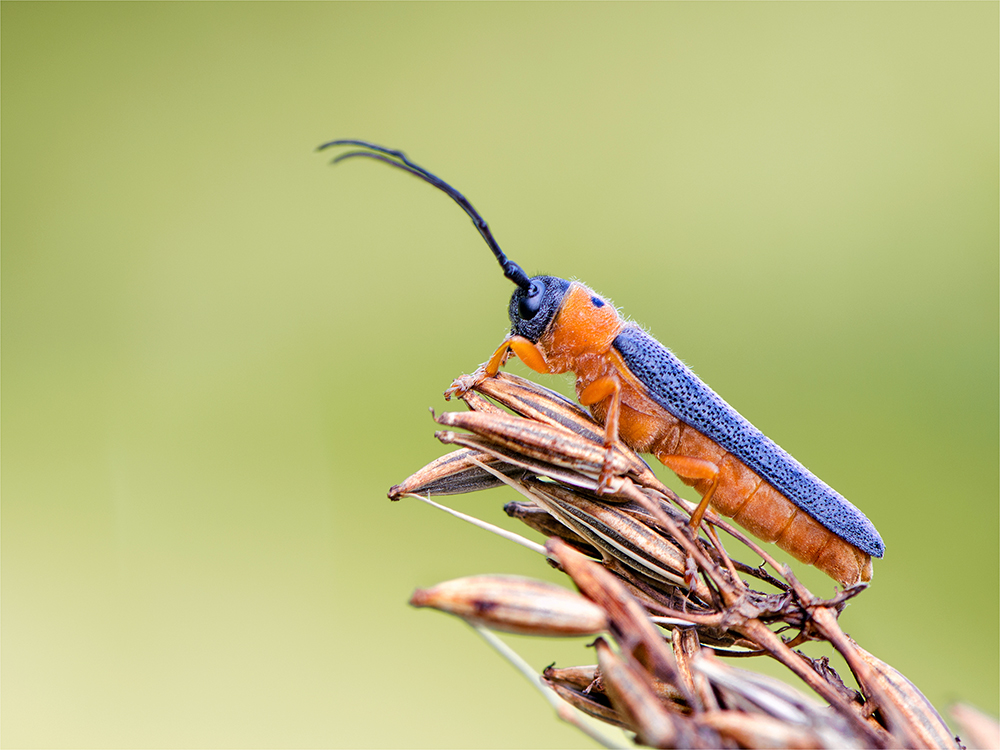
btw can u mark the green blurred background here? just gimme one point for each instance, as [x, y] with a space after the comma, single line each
[218, 352]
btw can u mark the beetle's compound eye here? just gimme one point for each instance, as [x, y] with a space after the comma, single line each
[529, 304]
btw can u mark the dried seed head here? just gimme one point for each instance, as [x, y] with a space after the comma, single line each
[515, 605]
[654, 564]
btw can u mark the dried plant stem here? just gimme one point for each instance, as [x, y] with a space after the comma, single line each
[508, 535]
[563, 710]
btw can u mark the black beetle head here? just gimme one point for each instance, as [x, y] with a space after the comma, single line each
[532, 309]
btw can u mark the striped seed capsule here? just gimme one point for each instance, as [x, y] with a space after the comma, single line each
[515, 604]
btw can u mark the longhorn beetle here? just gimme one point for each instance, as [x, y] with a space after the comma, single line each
[651, 401]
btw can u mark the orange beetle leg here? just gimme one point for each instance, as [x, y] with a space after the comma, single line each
[525, 351]
[600, 389]
[528, 353]
[689, 467]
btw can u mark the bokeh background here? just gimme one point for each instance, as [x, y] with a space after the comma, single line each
[219, 352]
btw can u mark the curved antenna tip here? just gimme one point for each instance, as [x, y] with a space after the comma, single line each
[398, 159]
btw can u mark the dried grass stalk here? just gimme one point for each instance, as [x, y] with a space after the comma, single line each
[671, 602]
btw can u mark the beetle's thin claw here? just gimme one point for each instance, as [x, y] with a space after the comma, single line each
[465, 383]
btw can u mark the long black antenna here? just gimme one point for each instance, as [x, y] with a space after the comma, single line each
[399, 160]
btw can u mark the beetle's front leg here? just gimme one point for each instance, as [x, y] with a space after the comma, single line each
[522, 348]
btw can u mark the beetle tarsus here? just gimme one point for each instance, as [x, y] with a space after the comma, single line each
[465, 383]
[604, 478]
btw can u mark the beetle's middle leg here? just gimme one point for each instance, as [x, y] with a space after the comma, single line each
[606, 387]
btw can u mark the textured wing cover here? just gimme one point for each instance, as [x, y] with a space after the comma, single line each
[672, 385]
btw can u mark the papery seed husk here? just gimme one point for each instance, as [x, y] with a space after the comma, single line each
[628, 621]
[686, 646]
[477, 403]
[544, 523]
[578, 678]
[592, 704]
[909, 712]
[515, 604]
[634, 700]
[538, 467]
[631, 543]
[631, 693]
[978, 729]
[620, 535]
[549, 443]
[758, 694]
[586, 678]
[536, 402]
[455, 474]
[759, 731]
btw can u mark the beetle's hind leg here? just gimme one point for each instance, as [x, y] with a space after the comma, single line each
[691, 468]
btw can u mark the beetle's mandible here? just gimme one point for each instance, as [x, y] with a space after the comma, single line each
[651, 401]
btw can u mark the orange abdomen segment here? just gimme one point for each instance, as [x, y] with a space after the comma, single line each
[741, 494]
[771, 517]
[810, 542]
[755, 505]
